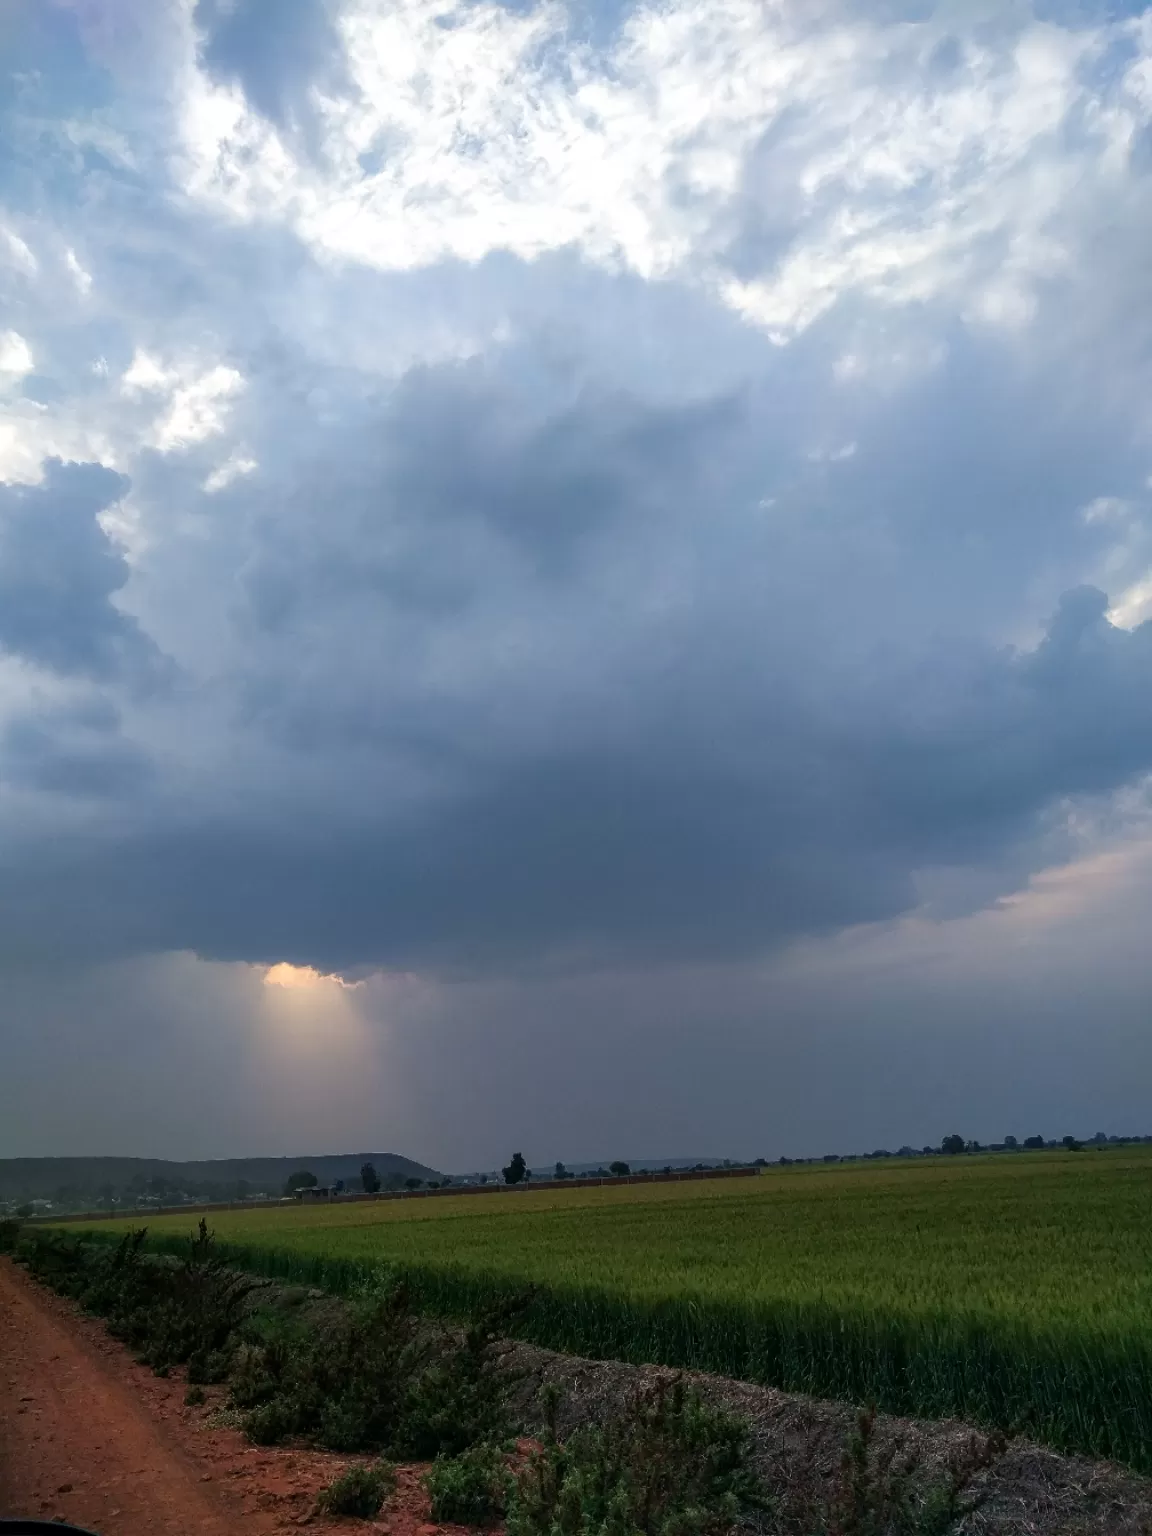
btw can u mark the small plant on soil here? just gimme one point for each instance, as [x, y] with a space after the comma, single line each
[194, 1397]
[668, 1466]
[360, 1491]
[878, 1492]
[470, 1489]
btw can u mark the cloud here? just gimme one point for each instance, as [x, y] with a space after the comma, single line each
[509, 494]
[76, 752]
[787, 160]
[59, 573]
[15, 355]
[279, 52]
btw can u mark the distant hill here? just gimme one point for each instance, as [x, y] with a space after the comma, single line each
[46, 1178]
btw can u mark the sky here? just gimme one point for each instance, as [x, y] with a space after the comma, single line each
[574, 578]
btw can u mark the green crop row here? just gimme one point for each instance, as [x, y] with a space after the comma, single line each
[1015, 1293]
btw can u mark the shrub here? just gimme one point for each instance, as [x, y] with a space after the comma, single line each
[371, 1377]
[668, 1466]
[469, 1489]
[171, 1312]
[877, 1493]
[457, 1401]
[9, 1235]
[360, 1491]
[340, 1383]
[194, 1397]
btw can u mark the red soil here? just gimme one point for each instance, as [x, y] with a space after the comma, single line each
[89, 1436]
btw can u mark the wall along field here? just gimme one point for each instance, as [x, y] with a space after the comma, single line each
[1011, 1290]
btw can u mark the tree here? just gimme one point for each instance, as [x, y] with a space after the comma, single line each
[1034, 1143]
[1072, 1144]
[24, 1210]
[621, 1170]
[301, 1179]
[952, 1145]
[411, 1183]
[369, 1178]
[561, 1171]
[1011, 1143]
[516, 1169]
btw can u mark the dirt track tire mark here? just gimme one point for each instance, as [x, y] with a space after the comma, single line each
[88, 1435]
[77, 1442]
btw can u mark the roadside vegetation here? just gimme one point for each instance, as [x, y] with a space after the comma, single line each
[1012, 1292]
[368, 1375]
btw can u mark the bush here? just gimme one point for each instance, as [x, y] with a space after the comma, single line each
[457, 1401]
[360, 1491]
[371, 1378]
[171, 1312]
[194, 1397]
[469, 1489]
[877, 1492]
[669, 1466]
[340, 1383]
[9, 1235]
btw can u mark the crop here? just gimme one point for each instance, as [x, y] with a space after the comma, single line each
[1014, 1291]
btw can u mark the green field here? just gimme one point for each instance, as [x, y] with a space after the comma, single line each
[1012, 1290]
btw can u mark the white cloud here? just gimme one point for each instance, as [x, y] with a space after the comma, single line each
[80, 276]
[19, 254]
[1107, 509]
[144, 372]
[1134, 604]
[197, 398]
[461, 137]
[198, 409]
[233, 468]
[15, 355]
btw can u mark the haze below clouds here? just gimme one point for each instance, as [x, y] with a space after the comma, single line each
[573, 576]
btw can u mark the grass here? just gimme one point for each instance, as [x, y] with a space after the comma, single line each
[1015, 1291]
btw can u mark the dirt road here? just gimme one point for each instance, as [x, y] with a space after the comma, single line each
[88, 1435]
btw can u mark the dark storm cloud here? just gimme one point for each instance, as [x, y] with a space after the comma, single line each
[518, 668]
[276, 50]
[59, 573]
[75, 751]
[732, 823]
